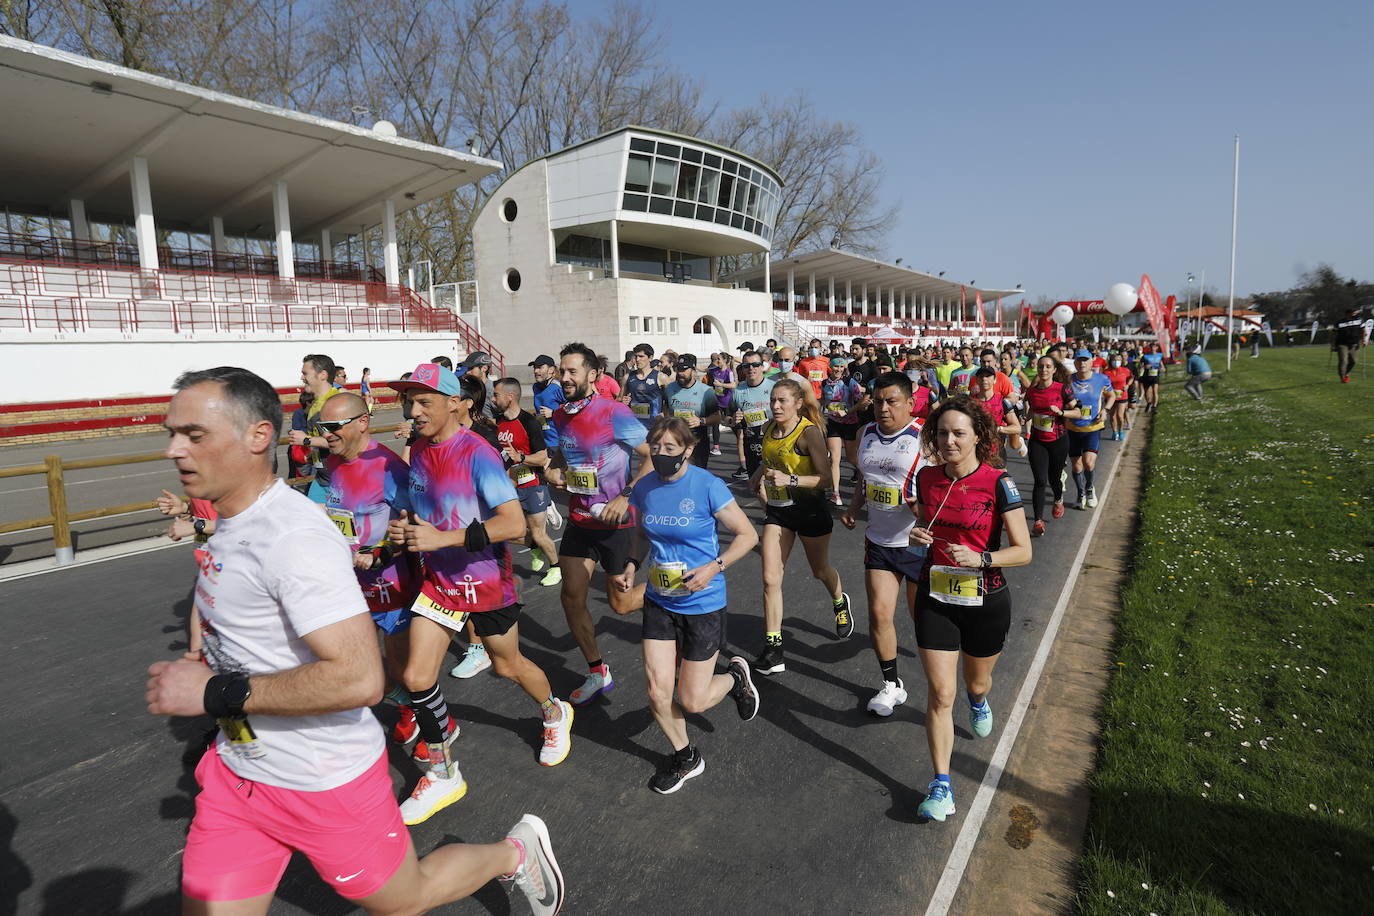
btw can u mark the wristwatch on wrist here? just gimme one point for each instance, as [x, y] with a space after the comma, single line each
[199, 525]
[629, 488]
[793, 480]
[987, 559]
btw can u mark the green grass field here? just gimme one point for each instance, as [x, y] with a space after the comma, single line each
[1236, 770]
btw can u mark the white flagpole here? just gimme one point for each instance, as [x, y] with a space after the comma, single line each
[1231, 303]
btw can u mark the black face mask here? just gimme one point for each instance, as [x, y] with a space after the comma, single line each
[668, 465]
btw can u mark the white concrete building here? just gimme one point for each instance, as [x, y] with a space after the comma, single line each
[617, 241]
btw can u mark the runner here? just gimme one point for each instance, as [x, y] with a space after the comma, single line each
[1047, 399]
[522, 447]
[684, 609]
[814, 367]
[1346, 340]
[317, 373]
[962, 377]
[598, 438]
[688, 398]
[1151, 374]
[963, 604]
[721, 377]
[889, 458]
[842, 399]
[1094, 396]
[546, 394]
[463, 510]
[365, 390]
[791, 482]
[290, 665]
[479, 365]
[1121, 379]
[643, 389]
[368, 487]
[983, 392]
[750, 407]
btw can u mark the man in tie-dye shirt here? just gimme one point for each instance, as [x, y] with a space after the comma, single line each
[599, 439]
[464, 509]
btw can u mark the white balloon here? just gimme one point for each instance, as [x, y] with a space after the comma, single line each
[1121, 298]
[1061, 315]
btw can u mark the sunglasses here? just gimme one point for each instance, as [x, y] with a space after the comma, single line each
[333, 426]
[753, 365]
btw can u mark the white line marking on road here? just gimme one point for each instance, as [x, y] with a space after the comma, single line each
[957, 862]
[78, 483]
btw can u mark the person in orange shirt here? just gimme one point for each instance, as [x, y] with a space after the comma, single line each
[814, 367]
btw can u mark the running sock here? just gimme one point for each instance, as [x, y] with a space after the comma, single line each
[552, 711]
[1078, 481]
[431, 714]
[687, 753]
[942, 777]
[599, 667]
[889, 669]
[773, 639]
[1088, 476]
[399, 695]
[980, 704]
[838, 602]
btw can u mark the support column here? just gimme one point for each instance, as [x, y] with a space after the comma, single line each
[863, 296]
[768, 272]
[811, 291]
[145, 230]
[849, 296]
[791, 294]
[281, 216]
[326, 245]
[218, 244]
[830, 303]
[925, 315]
[391, 259]
[615, 250]
[81, 230]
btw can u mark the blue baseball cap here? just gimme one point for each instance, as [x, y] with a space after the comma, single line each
[431, 377]
[1082, 354]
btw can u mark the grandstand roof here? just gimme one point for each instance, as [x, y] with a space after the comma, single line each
[75, 124]
[857, 269]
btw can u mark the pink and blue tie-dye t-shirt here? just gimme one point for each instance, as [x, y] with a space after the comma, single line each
[453, 483]
[363, 496]
[602, 435]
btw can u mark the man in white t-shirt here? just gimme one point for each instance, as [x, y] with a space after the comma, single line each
[289, 665]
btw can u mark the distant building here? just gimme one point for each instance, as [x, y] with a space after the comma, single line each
[619, 240]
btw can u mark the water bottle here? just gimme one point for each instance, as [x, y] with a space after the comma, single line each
[596, 509]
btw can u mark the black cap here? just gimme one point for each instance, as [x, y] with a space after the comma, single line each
[475, 359]
[746, 346]
[685, 361]
[543, 359]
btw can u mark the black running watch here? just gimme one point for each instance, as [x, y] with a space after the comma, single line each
[226, 694]
[987, 559]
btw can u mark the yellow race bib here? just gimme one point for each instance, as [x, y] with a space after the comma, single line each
[884, 498]
[582, 480]
[243, 741]
[1043, 422]
[756, 416]
[667, 578]
[957, 585]
[777, 496]
[426, 606]
[345, 521]
[640, 409]
[836, 409]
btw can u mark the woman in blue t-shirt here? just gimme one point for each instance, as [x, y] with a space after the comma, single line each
[679, 507]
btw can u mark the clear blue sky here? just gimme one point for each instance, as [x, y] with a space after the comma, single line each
[1068, 146]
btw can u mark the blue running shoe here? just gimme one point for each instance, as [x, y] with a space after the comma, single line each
[980, 718]
[939, 803]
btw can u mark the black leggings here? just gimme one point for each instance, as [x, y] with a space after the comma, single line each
[1047, 465]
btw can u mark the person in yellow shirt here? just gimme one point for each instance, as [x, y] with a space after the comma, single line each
[317, 376]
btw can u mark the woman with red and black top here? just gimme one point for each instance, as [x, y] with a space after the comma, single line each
[963, 604]
[1046, 400]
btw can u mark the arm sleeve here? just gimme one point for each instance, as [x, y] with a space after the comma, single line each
[1008, 494]
[310, 574]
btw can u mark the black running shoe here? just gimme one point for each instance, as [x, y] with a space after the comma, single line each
[844, 621]
[744, 693]
[770, 662]
[679, 768]
[741, 474]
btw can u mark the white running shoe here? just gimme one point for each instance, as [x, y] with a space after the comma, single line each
[594, 684]
[553, 517]
[474, 662]
[1024, 450]
[557, 738]
[1092, 498]
[432, 795]
[538, 875]
[888, 699]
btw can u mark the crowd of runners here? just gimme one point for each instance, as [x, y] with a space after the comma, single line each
[409, 547]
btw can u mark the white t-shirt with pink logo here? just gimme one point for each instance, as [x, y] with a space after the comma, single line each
[269, 576]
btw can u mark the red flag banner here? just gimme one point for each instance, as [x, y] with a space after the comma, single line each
[1149, 298]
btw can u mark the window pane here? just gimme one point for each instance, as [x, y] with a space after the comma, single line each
[745, 172]
[672, 323]
[741, 192]
[687, 181]
[641, 145]
[669, 149]
[727, 186]
[660, 205]
[713, 160]
[634, 324]
[691, 155]
[635, 202]
[751, 207]
[637, 173]
[710, 180]
[705, 213]
[731, 166]
[684, 208]
[723, 216]
[665, 176]
[737, 221]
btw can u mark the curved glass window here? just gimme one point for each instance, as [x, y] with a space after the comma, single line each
[681, 180]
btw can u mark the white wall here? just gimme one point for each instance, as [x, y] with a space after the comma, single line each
[92, 366]
[585, 183]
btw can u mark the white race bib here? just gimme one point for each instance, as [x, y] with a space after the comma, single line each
[345, 521]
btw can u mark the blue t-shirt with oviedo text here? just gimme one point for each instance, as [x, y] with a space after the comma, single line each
[679, 521]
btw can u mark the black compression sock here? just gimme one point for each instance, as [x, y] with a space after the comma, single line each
[889, 669]
[431, 714]
[1088, 476]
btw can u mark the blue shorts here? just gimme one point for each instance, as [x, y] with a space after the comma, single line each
[1083, 442]
[392, 622]
[535, 499]
[899, 561]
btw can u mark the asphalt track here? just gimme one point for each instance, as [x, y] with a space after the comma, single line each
[810, 808]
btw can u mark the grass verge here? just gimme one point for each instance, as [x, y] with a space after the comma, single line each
[1234, 774]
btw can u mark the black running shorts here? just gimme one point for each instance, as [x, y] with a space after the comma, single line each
[809, 518]
[699, 636]
[976, 631]
[609, 547]
[495, 623]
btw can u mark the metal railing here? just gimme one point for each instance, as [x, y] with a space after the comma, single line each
[54, 468]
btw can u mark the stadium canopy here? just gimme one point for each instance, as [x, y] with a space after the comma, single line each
[80, 129]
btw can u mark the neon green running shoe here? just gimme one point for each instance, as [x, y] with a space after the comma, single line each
[537, 561]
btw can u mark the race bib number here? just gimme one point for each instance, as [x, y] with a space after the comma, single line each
[684, 414]
[243, 741]
[582, 480]
[1118, 393]
[755, 416]
[957, 585]
[426, 606]
[836, 409]
[720, 392]
[1085, 412]
[667, 579]
[345, 521]
[1152, 372]
[777, 496]
[523, 476]
[1044, 422]
[640, 409]
[884, 498]
[816, 375]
